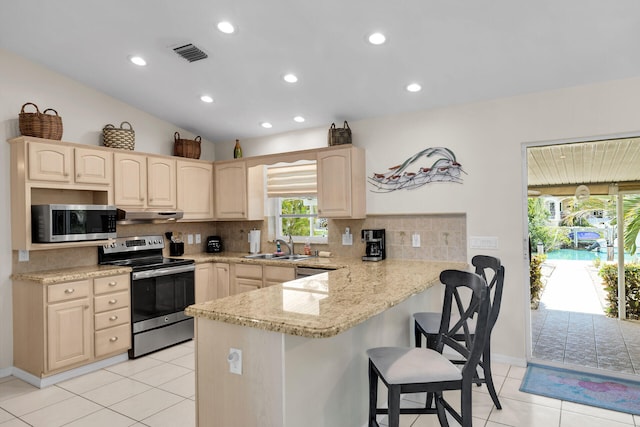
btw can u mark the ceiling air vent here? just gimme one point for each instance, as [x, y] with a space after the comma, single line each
[190, 52]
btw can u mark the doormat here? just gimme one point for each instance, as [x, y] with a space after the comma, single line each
[579, 387]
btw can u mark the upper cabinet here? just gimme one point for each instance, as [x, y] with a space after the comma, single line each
[195, 189]
[142, 181]
[239, 191]
[341, 183]
[55, 163]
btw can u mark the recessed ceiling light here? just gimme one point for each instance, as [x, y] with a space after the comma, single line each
[266, 125]
[206, 98]
[290, 78]
[298, 119]
[138, 60]
[226, 27]
[414, 87]
[377, 38]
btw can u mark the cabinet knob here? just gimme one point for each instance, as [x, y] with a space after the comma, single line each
[69, 291]
[113, 301]
[113, 283]
[113, 318]
[142, 199]
[79, 175]
[113, 339]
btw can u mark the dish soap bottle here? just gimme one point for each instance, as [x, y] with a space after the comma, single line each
[237, 151]
[307, 247]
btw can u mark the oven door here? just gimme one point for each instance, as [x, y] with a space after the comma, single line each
[159, 297]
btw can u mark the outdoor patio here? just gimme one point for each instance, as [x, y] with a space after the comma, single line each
[570, 326]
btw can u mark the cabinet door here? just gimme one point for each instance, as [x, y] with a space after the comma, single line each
[195, 189]
[246, 285]
[276, 275]
[334, 189]
[221, 279]
[93, 166]
[204, 286]
[231, 190]
[161, 182]
[49, 162]
[130, 179]
[68, 333]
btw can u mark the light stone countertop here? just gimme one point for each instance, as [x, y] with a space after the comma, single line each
[51, 277]
[326, 304]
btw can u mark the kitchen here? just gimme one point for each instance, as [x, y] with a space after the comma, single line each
[485, 135]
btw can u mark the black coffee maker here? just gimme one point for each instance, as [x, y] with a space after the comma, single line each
[374, 244]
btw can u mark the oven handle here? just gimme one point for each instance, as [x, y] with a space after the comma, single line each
[162, 272]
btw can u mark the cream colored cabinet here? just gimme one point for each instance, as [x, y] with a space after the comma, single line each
[161, 182]
[212, 281]
[239, 191]
[112, 315]
[68, 324]
[245, 278]
[276, 275]
[130, 179]
[56, 163]
[341, 183]
[195, 189]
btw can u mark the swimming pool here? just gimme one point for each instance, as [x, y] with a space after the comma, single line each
[582, 255]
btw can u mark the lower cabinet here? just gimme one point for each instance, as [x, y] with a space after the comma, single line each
[66, 325]
[276, 275]
[249, 277]
[212, 281]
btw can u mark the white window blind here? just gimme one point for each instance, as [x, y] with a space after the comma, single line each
[292, 180]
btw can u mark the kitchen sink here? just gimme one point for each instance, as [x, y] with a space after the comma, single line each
[264, 256]
[294, 257]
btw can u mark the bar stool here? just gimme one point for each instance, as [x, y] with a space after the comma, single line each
[415, 370]
[428, 323]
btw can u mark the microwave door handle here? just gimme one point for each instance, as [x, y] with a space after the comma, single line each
[162, 272]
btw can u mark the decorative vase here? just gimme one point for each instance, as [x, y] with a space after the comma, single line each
[237, 151]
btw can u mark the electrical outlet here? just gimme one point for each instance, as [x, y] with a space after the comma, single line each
[190, 239]
[347, 239]
[198, 239]
[235, 361]
[23, 255]
[415, 240]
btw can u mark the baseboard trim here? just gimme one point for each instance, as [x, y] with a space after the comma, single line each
[514, 361]
[67, 375]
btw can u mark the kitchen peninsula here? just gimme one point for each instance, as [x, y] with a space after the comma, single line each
[303, 343]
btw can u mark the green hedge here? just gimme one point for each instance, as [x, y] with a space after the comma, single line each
[535, 278]
[609, 274]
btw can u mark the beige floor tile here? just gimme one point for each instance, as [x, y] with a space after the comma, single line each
[160, 374]
[5, 416]
[35, 400]
[524, 414]
[500, 369]
[61, 413]
[597, 412]
[134, 366]
[14, 387]
[171, 353]
[8, 378]
[572, 419]
[184, 386]
[511, 389]
[187, 361]
[492, 424]
[87, 382]
[14, 423]
[146, 404]
[182, 414]
[103, 418]
[115, 392]
[517, 372]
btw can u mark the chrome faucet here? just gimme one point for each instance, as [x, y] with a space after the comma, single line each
[288, 244]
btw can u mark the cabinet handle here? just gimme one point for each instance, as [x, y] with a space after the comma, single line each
[113, 339]
[113, 318]
[69, 291]
[113, 283]
[113, 301]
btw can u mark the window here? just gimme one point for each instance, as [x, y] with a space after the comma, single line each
[298, 216]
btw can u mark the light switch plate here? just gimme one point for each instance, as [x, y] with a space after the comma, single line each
[190, 239]
[235, 361]
[347, 239]
[23, 255]
[415, 240]
[198, 239]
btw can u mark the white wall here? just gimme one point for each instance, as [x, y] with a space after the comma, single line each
[487, 139]
[84, 113]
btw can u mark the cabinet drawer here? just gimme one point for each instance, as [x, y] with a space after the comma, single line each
[111, 301]
[68, 291]
[250, 271]
[102, 285]
[112, 318]
[279, 274]
[112, 340]
[246, 285]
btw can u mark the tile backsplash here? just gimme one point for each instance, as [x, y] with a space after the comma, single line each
[442, 237]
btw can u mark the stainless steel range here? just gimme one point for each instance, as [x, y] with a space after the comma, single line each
[161, 288]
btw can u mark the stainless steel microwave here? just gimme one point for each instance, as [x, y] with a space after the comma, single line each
[72, 223]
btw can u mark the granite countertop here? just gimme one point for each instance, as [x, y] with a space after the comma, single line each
[239, 258]
[326, 304]
[51, 277]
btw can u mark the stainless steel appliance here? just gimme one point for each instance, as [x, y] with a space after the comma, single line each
[152, 216]
[72, 223]
[310, 271]
[161, 288]
[374, 244]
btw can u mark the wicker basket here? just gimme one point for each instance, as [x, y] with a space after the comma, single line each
[339, 136]
[40, 125]
[186, 147]
[119, 137]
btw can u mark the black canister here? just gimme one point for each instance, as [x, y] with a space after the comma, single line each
[214, 244]
[176, 248]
